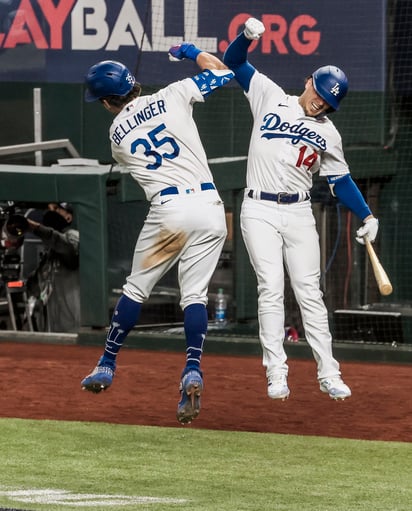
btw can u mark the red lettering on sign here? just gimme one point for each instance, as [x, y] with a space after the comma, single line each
[56, 16]
[276, 30]
[25, 28]
[309, 40]
[236, 25]
[279, 32]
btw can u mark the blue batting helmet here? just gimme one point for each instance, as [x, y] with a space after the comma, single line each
[331, 84]
[108, 78]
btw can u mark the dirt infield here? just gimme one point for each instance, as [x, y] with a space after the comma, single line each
[41, 381]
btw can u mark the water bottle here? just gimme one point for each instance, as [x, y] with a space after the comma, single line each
[221, 308]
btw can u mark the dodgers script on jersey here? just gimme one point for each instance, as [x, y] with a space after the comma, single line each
[286, 146]
[157, 133]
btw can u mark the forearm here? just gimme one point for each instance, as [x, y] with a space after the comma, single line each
[235, 58]
[214, 73]
[236, 53]
[43, 232]
[346, 190]
[60, 242]
[208, 61]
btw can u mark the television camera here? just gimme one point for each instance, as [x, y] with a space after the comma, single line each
[13, 226]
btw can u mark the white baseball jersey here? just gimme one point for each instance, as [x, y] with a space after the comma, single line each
[156, 138]
[286, 146]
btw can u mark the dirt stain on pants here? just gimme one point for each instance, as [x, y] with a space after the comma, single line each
[167, 245]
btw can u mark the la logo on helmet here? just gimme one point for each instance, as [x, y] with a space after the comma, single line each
[130, 79]
[335, 89]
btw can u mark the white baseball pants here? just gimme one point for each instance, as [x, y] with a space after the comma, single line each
[188, 229]
[278, 235]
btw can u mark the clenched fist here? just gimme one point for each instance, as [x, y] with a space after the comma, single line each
[183, 51]
[369, 230]
[253, 29]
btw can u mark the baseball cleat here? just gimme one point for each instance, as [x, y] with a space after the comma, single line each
[335, 387]
[278, 386]
[191, 387]
[101, 377]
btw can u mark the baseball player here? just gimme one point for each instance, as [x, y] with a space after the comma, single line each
[156, 139]
[292, 138]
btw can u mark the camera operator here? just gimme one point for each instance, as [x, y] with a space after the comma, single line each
[55, 282]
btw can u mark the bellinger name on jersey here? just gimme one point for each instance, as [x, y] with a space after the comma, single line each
[145, 114]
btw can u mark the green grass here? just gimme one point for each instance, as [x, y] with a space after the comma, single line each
[210, 470]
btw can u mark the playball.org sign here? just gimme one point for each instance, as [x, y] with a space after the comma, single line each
[56, 40]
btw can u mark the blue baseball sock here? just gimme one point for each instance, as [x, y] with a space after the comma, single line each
[125, 316]
[195, 324]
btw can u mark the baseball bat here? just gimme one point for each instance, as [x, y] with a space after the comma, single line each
[382, 279]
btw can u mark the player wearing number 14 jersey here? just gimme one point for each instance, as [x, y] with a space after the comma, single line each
[155, 138]
[292, 138]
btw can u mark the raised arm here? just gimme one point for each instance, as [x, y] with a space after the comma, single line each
[214, 74]
[235, 56]
[189, 51]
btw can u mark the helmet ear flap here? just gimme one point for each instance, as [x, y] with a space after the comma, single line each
[331, 84]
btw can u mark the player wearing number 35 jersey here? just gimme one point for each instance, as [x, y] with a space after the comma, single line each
[155, 138]
[292, 138]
